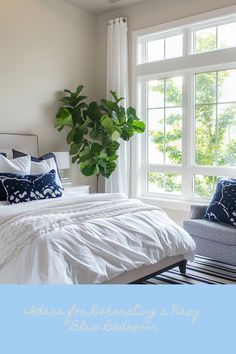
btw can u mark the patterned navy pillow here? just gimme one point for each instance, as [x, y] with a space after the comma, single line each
[45, 186]
[3, 195]
[19, 189]
[27, 188]
[223, 205]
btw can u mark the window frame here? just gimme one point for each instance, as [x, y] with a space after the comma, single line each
[216, 22]
[187, 66]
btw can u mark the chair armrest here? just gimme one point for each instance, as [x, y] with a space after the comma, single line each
[197, 211]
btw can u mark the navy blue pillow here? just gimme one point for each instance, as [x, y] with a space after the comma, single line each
[27, 188]
[3, 195]
[45, 186]
[223, 205]
[19, 189]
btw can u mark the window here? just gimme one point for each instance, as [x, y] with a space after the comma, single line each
[186, 94]
[217, 37]
[164, 48]
[164, 112]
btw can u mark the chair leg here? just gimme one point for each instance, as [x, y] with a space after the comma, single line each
[182, 267]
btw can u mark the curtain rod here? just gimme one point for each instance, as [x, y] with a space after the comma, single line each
[124, 19]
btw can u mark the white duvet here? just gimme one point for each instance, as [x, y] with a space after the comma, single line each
[84, 239]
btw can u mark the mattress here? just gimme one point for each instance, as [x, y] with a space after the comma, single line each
[90, 239]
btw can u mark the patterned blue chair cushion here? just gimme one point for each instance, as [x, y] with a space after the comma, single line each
[223, 205]
[21, 189]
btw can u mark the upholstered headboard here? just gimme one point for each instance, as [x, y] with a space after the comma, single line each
[25, 143]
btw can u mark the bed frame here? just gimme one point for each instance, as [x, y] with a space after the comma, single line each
[139, 275]
[23, 142]
[182, 268]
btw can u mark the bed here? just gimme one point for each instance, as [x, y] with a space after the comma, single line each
[86, 239]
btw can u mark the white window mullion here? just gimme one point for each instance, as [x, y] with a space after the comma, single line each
[186, 142]
[144, 167]
[186, 42]
[165, 169]
[217, 123]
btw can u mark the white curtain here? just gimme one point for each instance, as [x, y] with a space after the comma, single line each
[117, 80]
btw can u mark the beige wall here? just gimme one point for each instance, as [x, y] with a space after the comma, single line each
[48, 45]
[45, 46]
[143, 15]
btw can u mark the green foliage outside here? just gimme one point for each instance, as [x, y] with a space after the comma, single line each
[95, 130]
[214, 144]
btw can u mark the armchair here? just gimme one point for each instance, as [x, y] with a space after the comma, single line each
[213, 239]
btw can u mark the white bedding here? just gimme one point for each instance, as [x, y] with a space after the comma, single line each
[84, 239]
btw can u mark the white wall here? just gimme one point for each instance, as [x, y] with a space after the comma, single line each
[143, 15]
[45, 46]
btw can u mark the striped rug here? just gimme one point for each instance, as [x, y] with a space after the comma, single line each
[202, 271]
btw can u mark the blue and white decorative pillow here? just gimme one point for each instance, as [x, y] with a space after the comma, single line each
[223, 205]
[27, 188]
[45, 186]
[3, 176]
[19, 189]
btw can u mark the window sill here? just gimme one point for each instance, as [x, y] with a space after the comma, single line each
[170, 204]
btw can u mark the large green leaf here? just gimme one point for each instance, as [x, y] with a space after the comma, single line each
[115, 136]
[70, 136]
[138, 126]
[94, 134]
[107, 123]
[85, 151]
[131, 113]
[67, 100]
[108, 105]
[103, 155]
[116, 98]
[127, 133]
[79, 89]
[89, 170]
[107, 171]
[78, 100]
[112, 148]
[63, 118]
[68, 91]
[121, 114]
[93, 111]
[74, 149]
[75, 158]
[96, 149]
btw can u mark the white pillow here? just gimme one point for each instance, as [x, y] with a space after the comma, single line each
[20, 165]
[45, 166]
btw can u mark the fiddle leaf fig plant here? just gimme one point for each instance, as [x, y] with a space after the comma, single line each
[95, 129]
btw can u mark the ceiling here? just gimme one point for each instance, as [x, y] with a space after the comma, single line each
[100, 6]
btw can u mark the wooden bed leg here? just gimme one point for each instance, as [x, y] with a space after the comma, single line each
[182, 267]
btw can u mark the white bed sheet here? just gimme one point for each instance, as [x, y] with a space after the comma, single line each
[84, 239]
